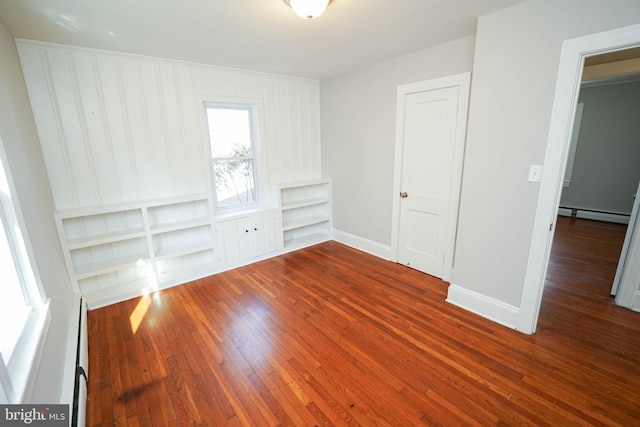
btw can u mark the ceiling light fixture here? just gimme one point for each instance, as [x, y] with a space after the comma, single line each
[308, 9]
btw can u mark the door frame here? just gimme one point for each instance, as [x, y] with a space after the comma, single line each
[463, 82]
[572, 56]
[624, 286]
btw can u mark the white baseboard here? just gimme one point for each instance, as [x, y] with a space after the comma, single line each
[602, 216]
[362, 244]
[565, 212]
[597, 216]
[490, 308]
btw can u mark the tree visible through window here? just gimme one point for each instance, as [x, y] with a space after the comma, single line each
[232, 154]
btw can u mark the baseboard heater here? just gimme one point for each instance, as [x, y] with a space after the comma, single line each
[595, 215]
[79, 410]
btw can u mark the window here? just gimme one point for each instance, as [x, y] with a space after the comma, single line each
[23, 313]
[13, 307]
[233, 154]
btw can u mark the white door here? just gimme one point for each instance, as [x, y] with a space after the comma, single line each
[625, 283]
[432, 141]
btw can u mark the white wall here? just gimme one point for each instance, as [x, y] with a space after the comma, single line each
[516, 64]
[358, 111]
[33, 196]
[117, 127]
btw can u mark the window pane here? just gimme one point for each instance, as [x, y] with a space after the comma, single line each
[235, 182]
[232, 154]
[229, 132]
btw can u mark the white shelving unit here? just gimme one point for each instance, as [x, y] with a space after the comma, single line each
[306, 212]
[122, 251]
[118, 252]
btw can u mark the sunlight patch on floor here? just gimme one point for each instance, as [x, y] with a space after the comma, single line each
[138, 314]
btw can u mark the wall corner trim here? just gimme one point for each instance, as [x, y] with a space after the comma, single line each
[487, 307]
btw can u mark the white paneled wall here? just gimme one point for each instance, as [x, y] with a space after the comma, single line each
[121, 128]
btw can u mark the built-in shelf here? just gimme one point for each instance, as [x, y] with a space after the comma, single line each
[180, 225]
[183, 275]
[102, 297]
[306, 212]
[305, 221]
[107, 237]
[110, 264]
[127, 250]
[294, 204]
[120, 251]
[306, 240]
[184, 249]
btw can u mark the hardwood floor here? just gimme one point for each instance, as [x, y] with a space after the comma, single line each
[332, 336]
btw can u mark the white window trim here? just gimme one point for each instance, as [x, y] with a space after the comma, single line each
[23, 366]
[255, 105]
[17, 378]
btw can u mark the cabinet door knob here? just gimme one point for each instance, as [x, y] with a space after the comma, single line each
[404, 195]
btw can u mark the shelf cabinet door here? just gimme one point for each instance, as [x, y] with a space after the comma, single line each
[227, 242]
[246, 238]
[242, 239]
[258, 232]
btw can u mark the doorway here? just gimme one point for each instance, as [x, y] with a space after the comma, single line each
[572, 60]
[601, 174]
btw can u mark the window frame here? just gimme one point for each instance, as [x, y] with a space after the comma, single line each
[255, 131]
[17, 377]
[10, 233]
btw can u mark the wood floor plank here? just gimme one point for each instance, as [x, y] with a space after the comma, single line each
[329, 335]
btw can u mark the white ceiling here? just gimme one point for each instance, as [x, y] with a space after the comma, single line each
[263, 35]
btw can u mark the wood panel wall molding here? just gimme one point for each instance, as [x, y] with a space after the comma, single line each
[118, 127]
[61, 147]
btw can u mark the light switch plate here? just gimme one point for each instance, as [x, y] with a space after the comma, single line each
[535, 173]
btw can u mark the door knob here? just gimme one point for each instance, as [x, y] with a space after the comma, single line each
[404, 195]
